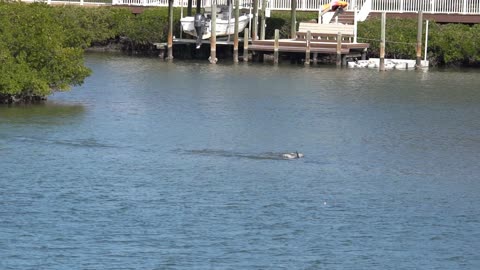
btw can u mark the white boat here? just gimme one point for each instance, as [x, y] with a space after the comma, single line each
[225, 24]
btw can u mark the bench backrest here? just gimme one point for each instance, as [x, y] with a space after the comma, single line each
[345, 29]
[325, 32]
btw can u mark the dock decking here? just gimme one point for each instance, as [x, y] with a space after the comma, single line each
[286, 46]
[290, 45]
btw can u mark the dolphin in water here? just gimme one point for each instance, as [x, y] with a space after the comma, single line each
[292, 155]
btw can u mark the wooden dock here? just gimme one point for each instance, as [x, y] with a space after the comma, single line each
[296, 46]
[286, 47]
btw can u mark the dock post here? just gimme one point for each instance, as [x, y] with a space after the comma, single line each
[315, 58]
[213, 38]
[382, 42]
[418, 63]
[199, 6]
[293, 15]
[189, 7]
[245, 45]
[339, 49]
[170, 30]
[275, 46]
[307, 50]
[262, 22]
[235, 37]
[255, 20]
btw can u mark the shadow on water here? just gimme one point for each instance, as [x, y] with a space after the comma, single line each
[233, 154]
[44, 113]
[73, 143]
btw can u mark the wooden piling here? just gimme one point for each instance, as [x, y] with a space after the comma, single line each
[307, 50]
[189, 8]
[315, 58]
[418, 61]
[382, 42]
[199, 6]
[339, 49]
[275, 46]
[364, 54]
[245, 45]
[293, 15]
[170, 30]
[213, 38]
[235, 37]
[255, 20]
[263, 20]
[344, 60]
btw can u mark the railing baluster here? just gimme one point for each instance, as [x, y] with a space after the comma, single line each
[432, 6]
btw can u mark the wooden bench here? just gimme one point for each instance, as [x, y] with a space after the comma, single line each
[325, 32]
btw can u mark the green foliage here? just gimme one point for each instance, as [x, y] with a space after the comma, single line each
[151, 26]
[448, 44]
[36, 57]
[455, 43]
[400, 36]
[282, 20]
[82, 26]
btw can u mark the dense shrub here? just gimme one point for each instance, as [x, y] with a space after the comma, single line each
[83, 26]
[455, 44]
[448, 44]
[36, 55]
[281, 20]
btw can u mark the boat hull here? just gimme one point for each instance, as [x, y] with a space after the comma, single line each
[223, 27]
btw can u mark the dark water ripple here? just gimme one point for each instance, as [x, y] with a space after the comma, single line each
[154, 165]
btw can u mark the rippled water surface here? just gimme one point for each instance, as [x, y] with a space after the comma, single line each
[155, 165]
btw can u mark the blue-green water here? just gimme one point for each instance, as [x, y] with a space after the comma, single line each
[155, 165]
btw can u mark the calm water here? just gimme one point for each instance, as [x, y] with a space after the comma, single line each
[154, 165]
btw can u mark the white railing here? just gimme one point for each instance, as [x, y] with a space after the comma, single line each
[428, 6]
[401, 6]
